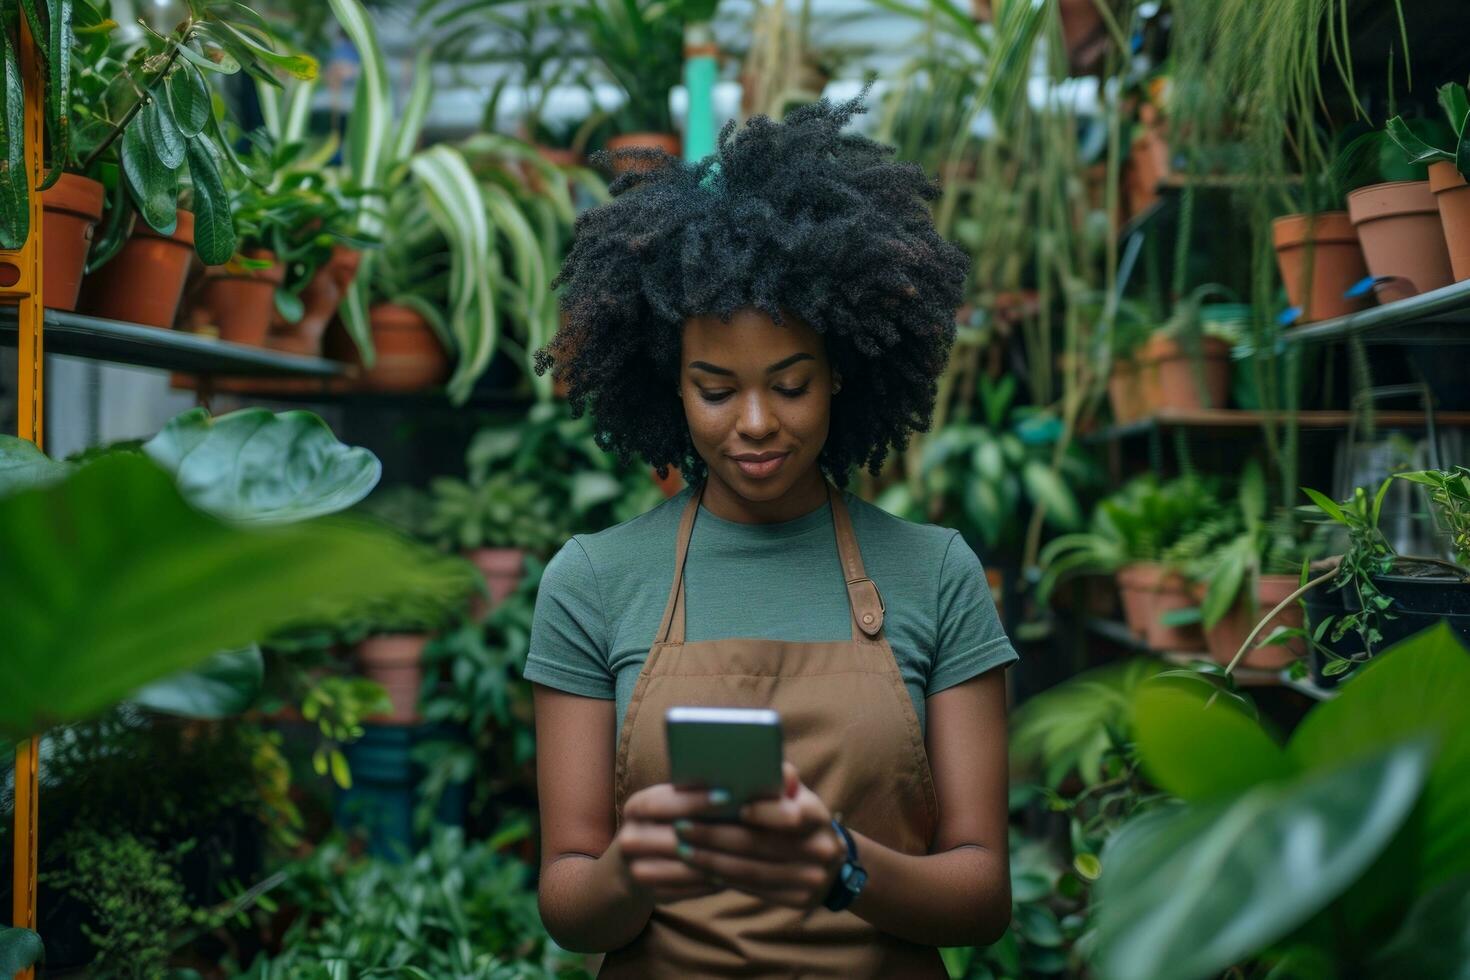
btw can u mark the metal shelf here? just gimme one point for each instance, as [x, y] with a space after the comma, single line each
[1120, 634]
[171, 350]
[1433, 317]
[1224, 420]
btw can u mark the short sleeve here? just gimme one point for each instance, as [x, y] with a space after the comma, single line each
[969, 639]
[568, 631]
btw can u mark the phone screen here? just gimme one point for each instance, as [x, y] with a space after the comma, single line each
[735, 749]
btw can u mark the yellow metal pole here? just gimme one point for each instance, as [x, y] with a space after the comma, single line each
[24, 266]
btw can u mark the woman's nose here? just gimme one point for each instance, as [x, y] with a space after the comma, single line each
[756, 420]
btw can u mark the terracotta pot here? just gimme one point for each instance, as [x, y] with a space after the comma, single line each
[1124, 393]
[668, 142]
[670, 485]
[1452, 194]
[1399, 226]
[410, 356]
[237, 302]
[555, 155]
[396, 661]
[145, 280]
[1172, 592]
[1336, 263]
[1169, 379]
[1226, 636]
[72, 207]
[502, 569]
[1137, 583]
[320, 298]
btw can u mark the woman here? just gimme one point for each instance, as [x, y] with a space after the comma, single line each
[765, 323]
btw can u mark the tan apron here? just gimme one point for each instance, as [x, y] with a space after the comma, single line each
[849, 728]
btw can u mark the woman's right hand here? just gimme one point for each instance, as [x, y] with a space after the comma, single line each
[651, 863]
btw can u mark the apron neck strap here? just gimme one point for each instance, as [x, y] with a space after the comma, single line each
[864, 602]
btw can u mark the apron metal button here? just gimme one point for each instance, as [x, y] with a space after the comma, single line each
[867, 617]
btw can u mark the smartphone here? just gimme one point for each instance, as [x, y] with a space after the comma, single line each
[735, 749]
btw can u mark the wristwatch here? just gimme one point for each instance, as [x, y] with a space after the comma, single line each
[851, 877]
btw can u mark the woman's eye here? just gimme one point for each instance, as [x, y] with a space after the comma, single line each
[793, 392]
[713, 397]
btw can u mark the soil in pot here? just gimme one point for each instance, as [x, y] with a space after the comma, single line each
[1320, 258]
[73, 206]
[668, 142]
[502, 569]
[320, 298]
[395, 660]
[410, 356]
[1452, 194]
[1171, 381]
[238, 302]
[1171, 593]
[1399, 226]
[1226, 636]
[145, 280]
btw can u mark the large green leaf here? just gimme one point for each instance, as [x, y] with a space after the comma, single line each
[261, 467]
[1046, 487]
[1434, 940]
[112, 581]
[225, 684]
[23, 465]
[214, 229]
[162, 132]
[15, 181]
[19, 948]
[1188, 891]
[1419, 686]
[155, 187]
[188, 96]
[1199, 746]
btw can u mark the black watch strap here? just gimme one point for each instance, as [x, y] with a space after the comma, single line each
[851, 877]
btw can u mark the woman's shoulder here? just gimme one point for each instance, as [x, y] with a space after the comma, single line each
[630, 543]
[889, 533]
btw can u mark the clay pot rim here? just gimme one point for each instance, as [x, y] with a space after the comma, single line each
[1444, 176]
[397, 316]
[183, 233]
[76, 194]
[1322, 228]
[1140, 574]
[276, 274]
[1372, 203]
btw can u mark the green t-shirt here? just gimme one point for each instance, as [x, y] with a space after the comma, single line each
[602, 596]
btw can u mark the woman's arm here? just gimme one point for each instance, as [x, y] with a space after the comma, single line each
[599, 883]
[959, 894]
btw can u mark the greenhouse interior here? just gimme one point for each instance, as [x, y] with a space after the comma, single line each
[762, 488]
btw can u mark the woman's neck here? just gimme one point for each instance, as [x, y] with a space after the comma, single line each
[804, 496]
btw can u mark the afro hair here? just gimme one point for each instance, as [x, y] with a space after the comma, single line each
[790, 218]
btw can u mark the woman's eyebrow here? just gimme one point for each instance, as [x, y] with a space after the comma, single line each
[778, 366]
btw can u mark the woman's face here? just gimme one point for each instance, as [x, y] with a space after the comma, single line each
[758, 400]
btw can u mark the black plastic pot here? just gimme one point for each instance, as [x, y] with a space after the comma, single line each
[1418, 603]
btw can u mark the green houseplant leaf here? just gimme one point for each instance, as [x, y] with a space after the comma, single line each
[260, 467]
[1188, 891]
[113, 581]
[1434, 940]
[155, 186]
[23, 465]
[225, 684]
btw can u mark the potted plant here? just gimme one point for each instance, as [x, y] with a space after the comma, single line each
[1252, 566]
[1125, 383]
[640, 45]
[1185, 364]
[1370, 596]
[1447, 172]
[148, 127]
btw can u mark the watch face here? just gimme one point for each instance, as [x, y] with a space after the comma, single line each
[855, 880]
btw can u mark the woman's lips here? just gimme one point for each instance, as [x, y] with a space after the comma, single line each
[758, 469]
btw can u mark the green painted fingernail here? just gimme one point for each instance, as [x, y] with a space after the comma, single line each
[719, 797]
[683, 826]
[684, 851]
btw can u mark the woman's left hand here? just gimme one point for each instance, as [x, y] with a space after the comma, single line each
[784, 851]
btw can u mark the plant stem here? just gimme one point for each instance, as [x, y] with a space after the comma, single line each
[133, 110]
[1319, 580]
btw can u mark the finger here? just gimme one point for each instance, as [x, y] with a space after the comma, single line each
[664, 873]
[740, 871]
[782, 816]
[667, 802]
[755, 842]
[791, 780]
[641, 839]
[666, 895]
